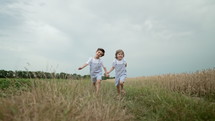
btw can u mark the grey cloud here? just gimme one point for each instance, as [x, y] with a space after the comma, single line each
[157, 36]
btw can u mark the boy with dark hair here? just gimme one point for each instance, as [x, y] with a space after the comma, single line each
[96, 66]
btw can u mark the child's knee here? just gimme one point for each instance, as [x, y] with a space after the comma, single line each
[121, 82]
[98, 81]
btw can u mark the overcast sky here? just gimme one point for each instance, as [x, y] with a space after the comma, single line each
[158, 36]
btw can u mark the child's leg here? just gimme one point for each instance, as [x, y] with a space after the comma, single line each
[121, 85]
[118, 88]
[94, 85]
[98, 83]
[122, 89]
[122, 80]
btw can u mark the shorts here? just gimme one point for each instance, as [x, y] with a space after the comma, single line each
[94, 79]
[121, 79]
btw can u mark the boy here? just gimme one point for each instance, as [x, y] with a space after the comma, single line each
[96, 66]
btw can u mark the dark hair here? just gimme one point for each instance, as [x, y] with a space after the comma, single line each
[119, 51]
[101, 49]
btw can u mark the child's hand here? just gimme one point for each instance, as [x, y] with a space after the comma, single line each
[80, 68]
[107, 74]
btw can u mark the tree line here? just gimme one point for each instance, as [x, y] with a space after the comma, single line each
[41, 75]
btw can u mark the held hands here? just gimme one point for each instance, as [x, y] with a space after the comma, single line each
[107, 74]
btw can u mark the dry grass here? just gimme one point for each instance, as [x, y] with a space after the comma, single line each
[147, 98]
[64, 100]
[201, 83]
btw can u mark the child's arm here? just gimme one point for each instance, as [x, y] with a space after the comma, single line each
[105, 71]
[82, 66]
[110, 70]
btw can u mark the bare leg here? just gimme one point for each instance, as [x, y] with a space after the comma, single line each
[122, 89]
[94, 85]
[98, 82]
[118, 88]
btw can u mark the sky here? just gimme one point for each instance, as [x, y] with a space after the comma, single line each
[158, 37]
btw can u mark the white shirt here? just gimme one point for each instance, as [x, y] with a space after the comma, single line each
[120, 68]
[95, 67]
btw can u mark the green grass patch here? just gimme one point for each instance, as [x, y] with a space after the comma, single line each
[15, 83]
[13, 86]
[162, 105]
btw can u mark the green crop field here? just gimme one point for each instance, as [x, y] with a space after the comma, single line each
[181, 97]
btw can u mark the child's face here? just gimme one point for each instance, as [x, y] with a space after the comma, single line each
[120, 56]
[99, 54]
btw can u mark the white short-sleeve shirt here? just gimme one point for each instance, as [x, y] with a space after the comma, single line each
[120, 68]
[95, 67]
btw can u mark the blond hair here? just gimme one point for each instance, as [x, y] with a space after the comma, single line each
[119, 51]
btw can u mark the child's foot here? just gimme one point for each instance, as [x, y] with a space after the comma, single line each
[118, 97]
[123, 92]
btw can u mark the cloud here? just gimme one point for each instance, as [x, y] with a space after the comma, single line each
[157, 36]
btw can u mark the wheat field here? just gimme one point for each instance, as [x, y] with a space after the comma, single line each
[170, 97]
[199, 84]
[62, 100]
